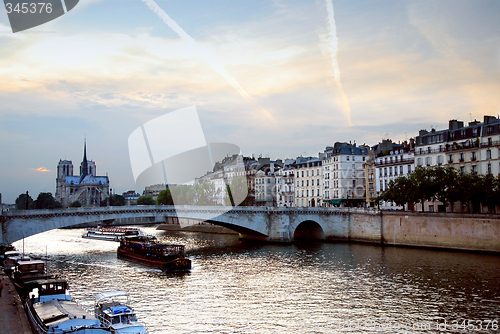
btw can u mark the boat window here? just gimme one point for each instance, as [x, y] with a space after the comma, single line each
[125, 319]
[43, 287]
[115, 320]
[133, 317]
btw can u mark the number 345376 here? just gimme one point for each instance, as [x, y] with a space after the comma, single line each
[32, 7]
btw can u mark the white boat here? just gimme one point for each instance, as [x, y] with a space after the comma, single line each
[50, 309]
[110, 233]
[113, 310]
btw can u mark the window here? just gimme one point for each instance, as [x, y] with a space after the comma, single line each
[381, 185]
[401, 170]
[302, 173]
[347, 158]
[489, 130]
[429, 149]
[490, 142]
[450, 158]
[474, 132]
[419, 162]
[409, 169]
[428, 161]
[440, 160]
[317, 194]
[474, 169]
[385, 171]
[461, 158]
[302, 183]
[390, 171]
[421, 151]
[363, 158]
[297, 183]
[489, 169]
[462, 170]
[307, 193]
[317, 182]
[473, 156]
[380, 174]
[317, 172]
[307, 173]
[488, 154]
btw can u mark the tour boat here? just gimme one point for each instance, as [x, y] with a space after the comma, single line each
[147, 250]
[50, 309]
[113, 310]
[110, 233]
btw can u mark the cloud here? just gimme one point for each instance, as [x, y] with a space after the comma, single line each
[42, 169]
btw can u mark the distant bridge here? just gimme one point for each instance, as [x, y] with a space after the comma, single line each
[259, 223]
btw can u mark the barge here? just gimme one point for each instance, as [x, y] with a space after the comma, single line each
[147, 250]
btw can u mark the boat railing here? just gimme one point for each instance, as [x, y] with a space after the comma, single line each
[104, 322]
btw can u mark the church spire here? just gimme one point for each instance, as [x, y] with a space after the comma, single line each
[84, 169]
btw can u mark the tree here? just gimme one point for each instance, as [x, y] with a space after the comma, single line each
[165, 197]
[207, 194]
[117, 200]
[146, 200]
[21, 202]
[422, 188]
[445, 187]
[46, 201]
[75, 204]
[236, 192]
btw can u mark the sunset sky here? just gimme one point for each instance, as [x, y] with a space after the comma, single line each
[106, 67]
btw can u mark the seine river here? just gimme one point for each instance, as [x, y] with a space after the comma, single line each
[242, 287]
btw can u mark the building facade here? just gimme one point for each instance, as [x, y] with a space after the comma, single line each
[344, 169]
[87, 188]
[308, 178]
[391, 164]
[469, 149]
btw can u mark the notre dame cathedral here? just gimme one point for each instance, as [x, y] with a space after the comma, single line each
[86, 188]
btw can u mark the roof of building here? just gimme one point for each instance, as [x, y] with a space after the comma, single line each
[88, 179]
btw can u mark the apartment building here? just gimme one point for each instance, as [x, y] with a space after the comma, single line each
[344, 175]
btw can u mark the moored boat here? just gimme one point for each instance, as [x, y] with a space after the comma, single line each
[50, 309]
[147, 250]
[27, 273]
[11, 259]
[110, 233]
[113, 310]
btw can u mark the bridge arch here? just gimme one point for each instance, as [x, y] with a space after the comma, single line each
[309, 229]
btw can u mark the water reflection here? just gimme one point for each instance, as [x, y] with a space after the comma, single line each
[306, 287]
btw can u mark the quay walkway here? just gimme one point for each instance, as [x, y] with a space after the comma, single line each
[13, 319]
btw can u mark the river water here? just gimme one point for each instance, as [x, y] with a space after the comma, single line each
[309, 287]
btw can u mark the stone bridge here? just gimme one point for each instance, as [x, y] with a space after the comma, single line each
[258, 223]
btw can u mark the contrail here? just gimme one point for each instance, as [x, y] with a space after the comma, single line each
[205, 56]
[333, 49]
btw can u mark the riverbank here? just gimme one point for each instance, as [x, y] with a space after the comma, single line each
[12, 315]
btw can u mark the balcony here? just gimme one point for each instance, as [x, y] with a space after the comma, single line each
[399, 162]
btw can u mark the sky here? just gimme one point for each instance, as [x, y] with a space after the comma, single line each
[278, 78]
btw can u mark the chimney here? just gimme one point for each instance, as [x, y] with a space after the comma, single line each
[422, 132]
[489, 119]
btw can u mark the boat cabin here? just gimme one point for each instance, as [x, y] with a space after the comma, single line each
[50, 289]
[30, 267]
[112, 309]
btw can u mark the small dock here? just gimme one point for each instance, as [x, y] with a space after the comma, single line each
[12, 315]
